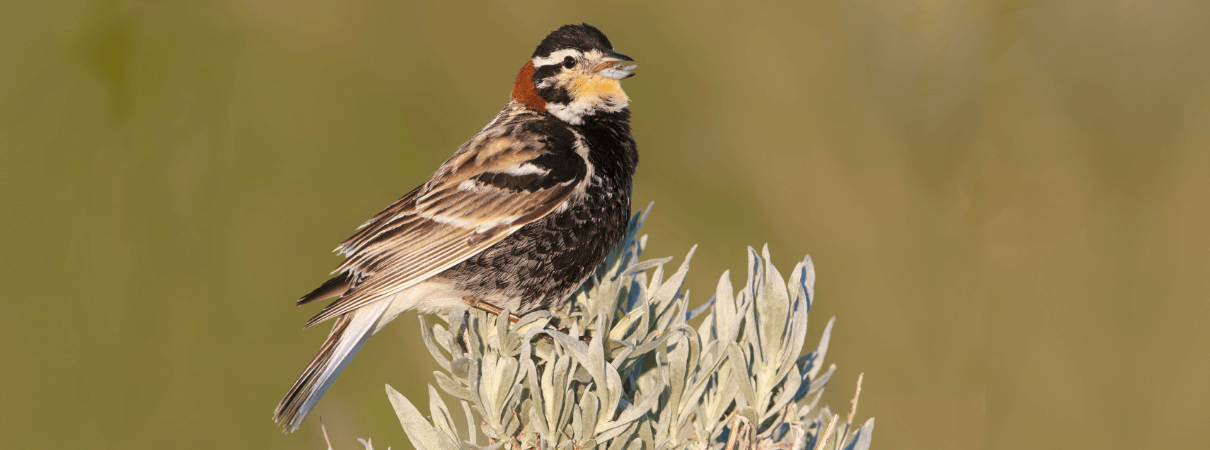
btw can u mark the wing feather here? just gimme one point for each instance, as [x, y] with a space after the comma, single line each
[458, 214]
[385, 220]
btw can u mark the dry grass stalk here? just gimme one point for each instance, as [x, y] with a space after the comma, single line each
[823, 440]
[852, 412]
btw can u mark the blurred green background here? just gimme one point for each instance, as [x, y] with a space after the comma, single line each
[1008, 202]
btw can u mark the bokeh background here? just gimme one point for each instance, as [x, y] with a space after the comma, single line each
[1008, 202]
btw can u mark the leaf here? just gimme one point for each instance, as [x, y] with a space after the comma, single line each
[773, 307]
[680, 361]
[452, 387]
[501, 335]
[532, 319]
[474, 333]
[726, 319]
[670, 288]
[809, 279]
[455, 321]
[470, 422]
[578, 433]
[822, 348]
[639, 267]
[747, 301]
[440, 416]
[625, 326]
[797, 328]
[592, 358]
[427, 334]
[789, 389]
[611, 433]
[863, 436]
[634, 412]
[419, 431]
[444, 339]
[740, 374]
[699, 388]
[756, 274]
[538, 423]
[590, 407]
[556, 392]
[817, 384]
[638, 444]
[814, 388]
[461, 367]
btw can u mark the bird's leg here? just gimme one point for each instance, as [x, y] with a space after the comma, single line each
[481, 305]
[478, 303]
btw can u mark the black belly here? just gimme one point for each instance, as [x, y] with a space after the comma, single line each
[542, 263]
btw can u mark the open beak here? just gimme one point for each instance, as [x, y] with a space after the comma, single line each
[613, 66]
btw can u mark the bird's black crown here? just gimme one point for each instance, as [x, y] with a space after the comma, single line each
[583, 37]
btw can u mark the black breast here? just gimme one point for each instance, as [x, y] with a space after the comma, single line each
[542, 263]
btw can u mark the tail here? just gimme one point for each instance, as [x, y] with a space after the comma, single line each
[348, 334]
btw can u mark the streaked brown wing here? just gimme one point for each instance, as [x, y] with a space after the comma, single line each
[491, 187]
[381, 221]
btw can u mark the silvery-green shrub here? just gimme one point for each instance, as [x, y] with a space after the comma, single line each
[619, 367]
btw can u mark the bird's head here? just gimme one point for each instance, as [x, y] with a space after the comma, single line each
[574, 73]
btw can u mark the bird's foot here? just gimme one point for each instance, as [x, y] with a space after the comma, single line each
[478, 303]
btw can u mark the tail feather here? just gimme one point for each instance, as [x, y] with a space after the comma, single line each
[331, 288]
[348, 334]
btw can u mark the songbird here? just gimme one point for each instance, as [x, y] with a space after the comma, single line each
[517, 219]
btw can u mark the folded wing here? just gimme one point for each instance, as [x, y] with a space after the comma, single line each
[492, 186]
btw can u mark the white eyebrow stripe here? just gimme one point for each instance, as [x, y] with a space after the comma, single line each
[555, 57]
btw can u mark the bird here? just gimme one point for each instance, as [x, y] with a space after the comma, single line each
[516, 220]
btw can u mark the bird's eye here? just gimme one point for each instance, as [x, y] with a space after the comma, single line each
[569, 62]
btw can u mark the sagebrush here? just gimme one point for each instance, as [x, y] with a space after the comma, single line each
[619, 367]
